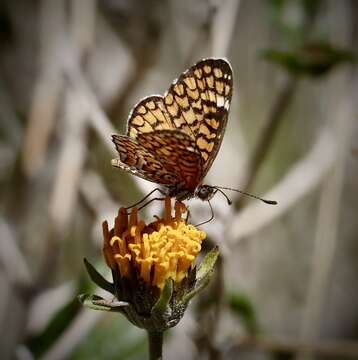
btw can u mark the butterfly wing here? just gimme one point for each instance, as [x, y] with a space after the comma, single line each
[198, 103]
[166, 157]
[148, 115]
[177, 151]
[179, 134]
[139, 161]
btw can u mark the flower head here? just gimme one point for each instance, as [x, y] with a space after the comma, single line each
[153, 270]
[166, 248]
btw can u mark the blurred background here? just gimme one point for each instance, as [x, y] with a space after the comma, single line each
[286, 285]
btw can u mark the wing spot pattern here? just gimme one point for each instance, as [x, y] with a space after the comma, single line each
[201, 84]
[190, 82]
[227, 90]
[210, 81]
[150, 118]
[151, 105]
[198, 73]
[169, 99]
[212, 96]
[213, 123]
[193, 94]
[182, 101]
[173, 110]
[207, 69]
[142, 110]
[220, 87]
[218, 73]
[220, 101]
[138, 120]
[179, 89]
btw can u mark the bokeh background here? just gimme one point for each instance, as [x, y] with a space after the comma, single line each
[286, 285]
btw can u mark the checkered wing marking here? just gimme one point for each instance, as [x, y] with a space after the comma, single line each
[139, 161]
[148, 115]
[198, 103]
[177, 152]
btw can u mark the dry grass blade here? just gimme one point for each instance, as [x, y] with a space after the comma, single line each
[48, 88]
[301, 179]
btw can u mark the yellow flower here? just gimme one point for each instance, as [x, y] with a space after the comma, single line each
[154, 277]
[164, 249]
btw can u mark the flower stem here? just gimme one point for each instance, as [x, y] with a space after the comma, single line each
[155, 340]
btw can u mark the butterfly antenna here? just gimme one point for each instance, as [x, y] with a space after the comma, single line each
[227, 198]
[270, 202]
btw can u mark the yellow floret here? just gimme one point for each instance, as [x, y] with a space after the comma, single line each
[164, 249]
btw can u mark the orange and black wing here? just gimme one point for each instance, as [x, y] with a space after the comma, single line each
[148, 115]
[188, 122]
[198, 103]
[177, 152]
[166, 157]
[139, 161]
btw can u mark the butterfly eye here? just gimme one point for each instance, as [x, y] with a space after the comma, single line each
[205, 192]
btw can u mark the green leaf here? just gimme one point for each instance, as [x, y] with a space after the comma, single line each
[161, 305]
[40, 343]
[199, 287]
[241, 305]
[96, 302]
[204, 273]
[314, 59]
[207, 265]
[97, 278]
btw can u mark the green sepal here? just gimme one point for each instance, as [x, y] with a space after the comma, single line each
[204, 273]
[96, 302]
[207, 265]
[97, 278]
[162, 305]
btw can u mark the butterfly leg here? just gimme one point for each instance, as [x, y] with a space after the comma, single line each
[211, 217]
[145, 198]
[148, 202]
[187, 215]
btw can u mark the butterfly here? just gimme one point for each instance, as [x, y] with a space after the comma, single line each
[172, 140]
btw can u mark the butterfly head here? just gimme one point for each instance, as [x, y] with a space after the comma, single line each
[205, 192]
